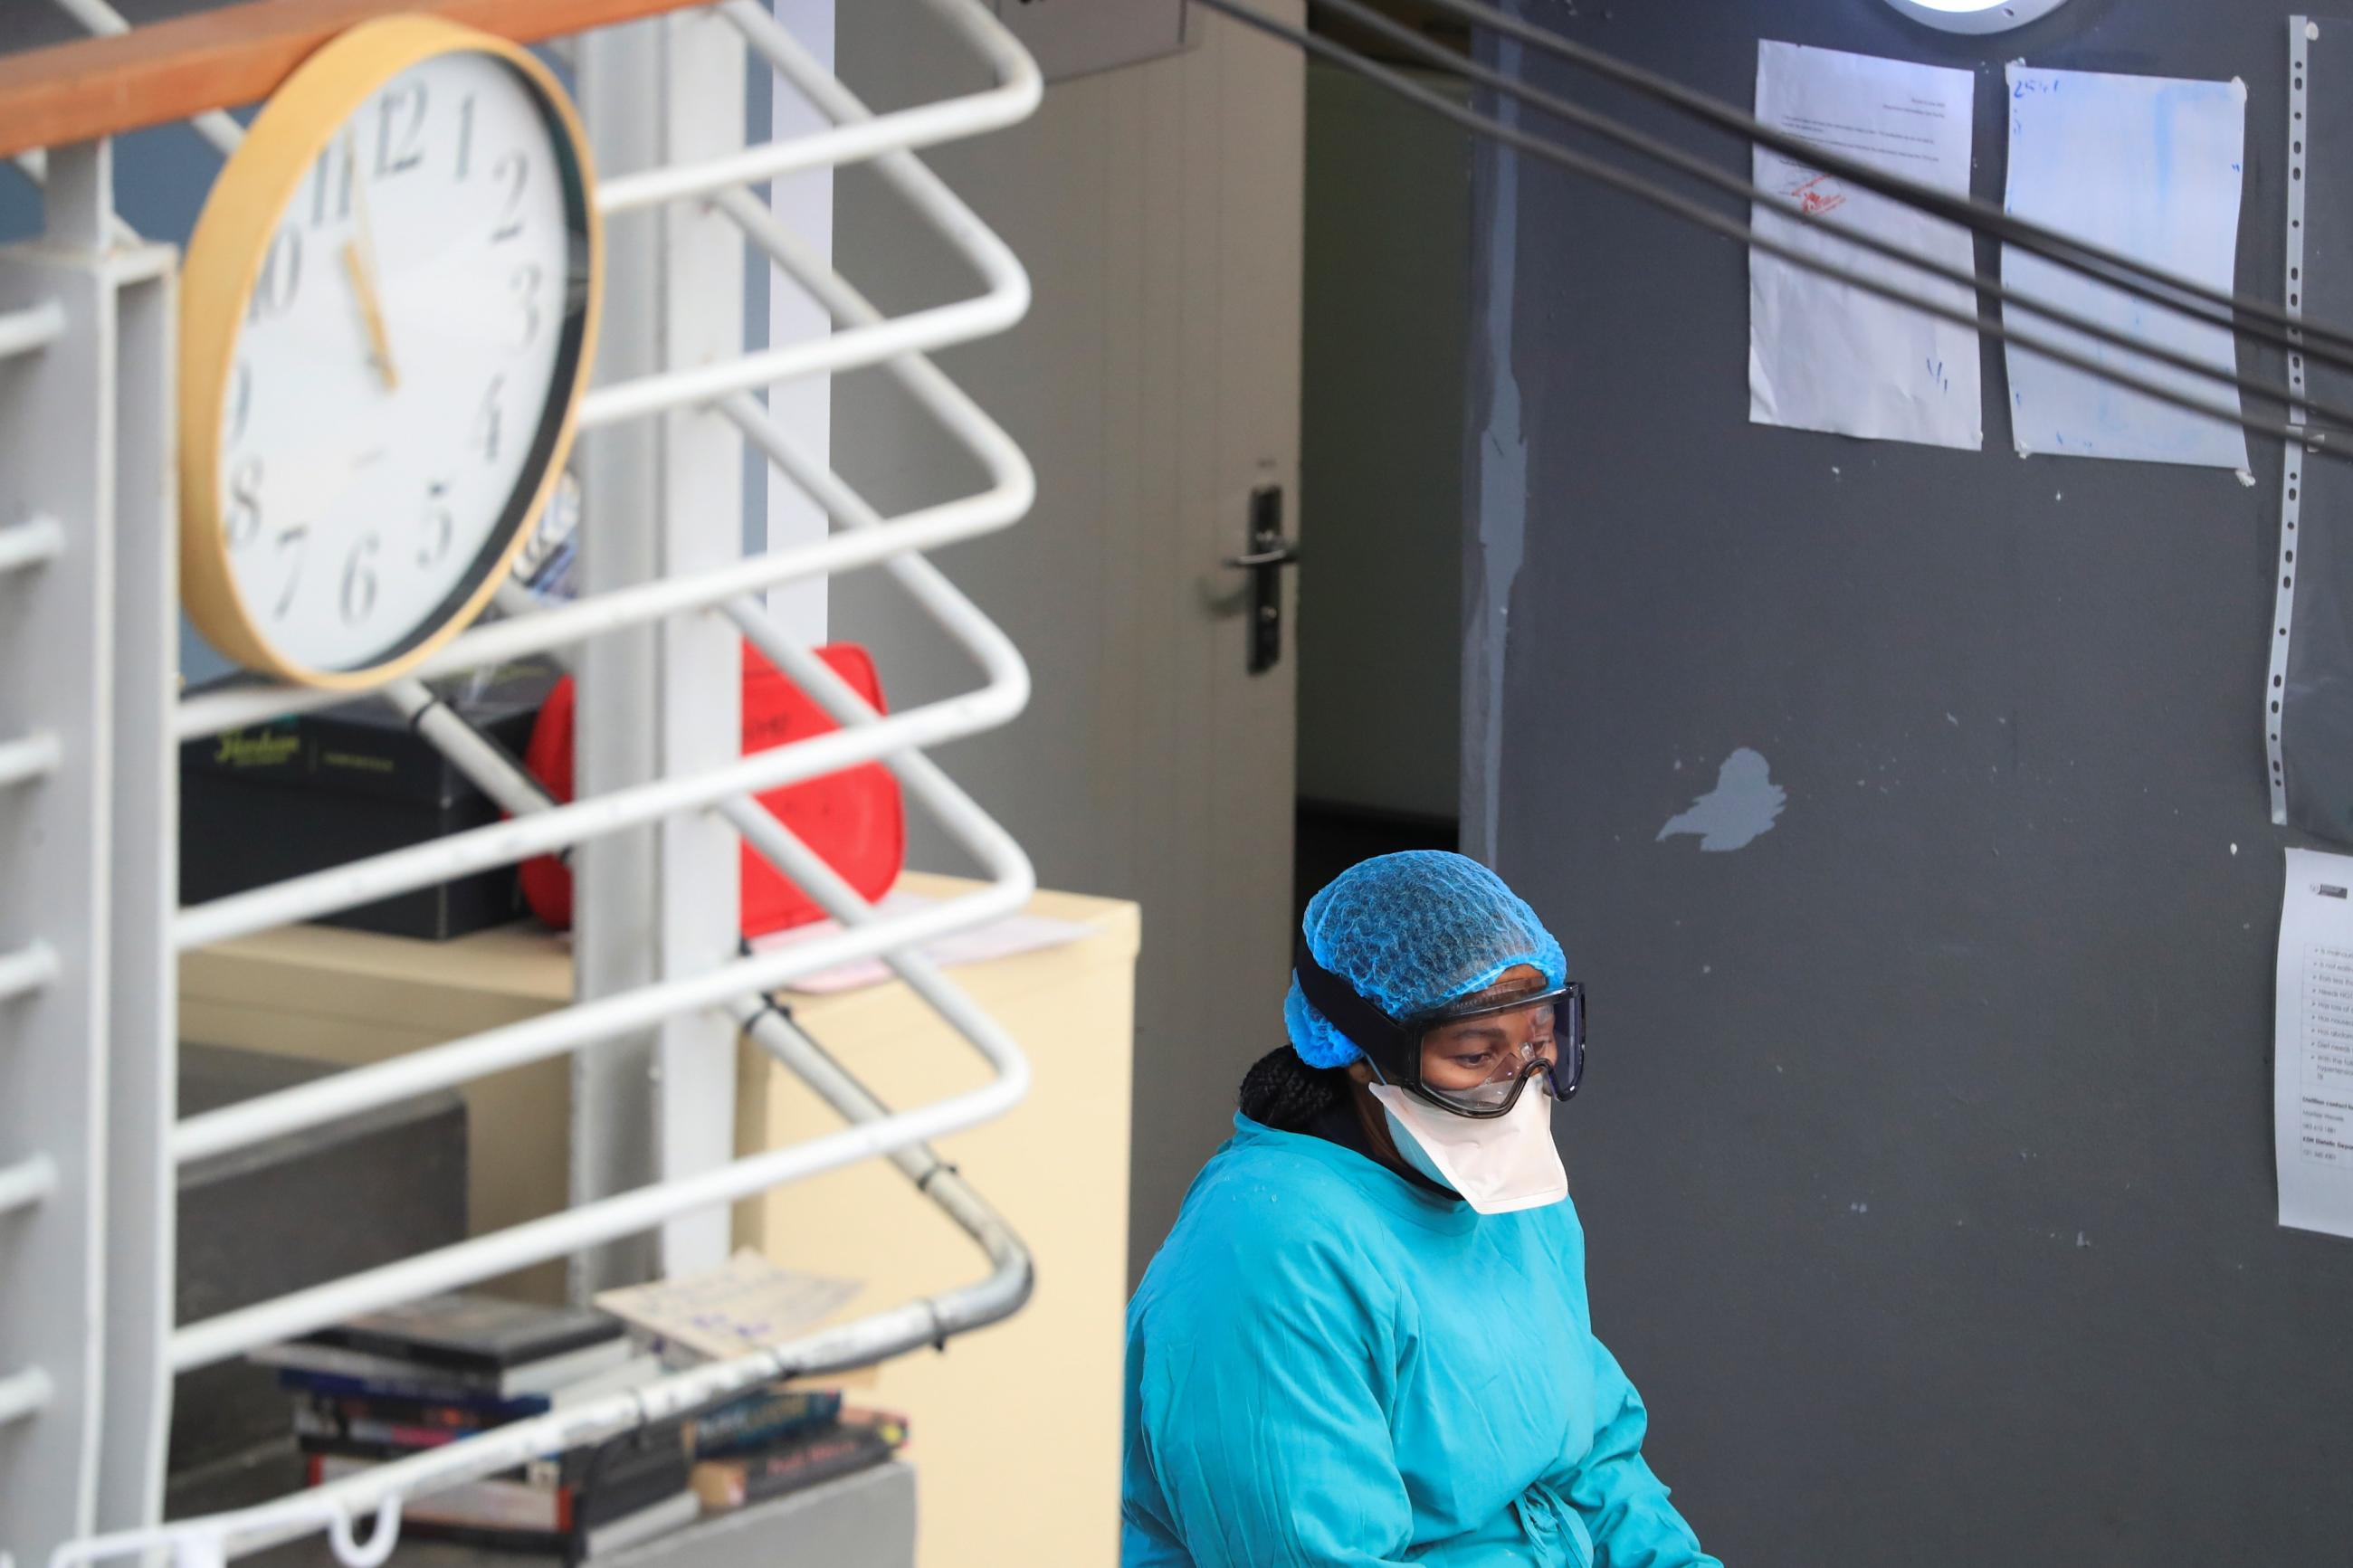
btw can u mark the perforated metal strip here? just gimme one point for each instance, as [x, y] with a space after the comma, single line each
[2300, 31]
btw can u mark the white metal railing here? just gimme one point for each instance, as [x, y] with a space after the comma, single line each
[23, 1393]
[103, 19]
[30, 544]
[28, 758]
[1012, 486]
[26, 1182]
[1011, 100]
[502, 641]
[558, 1034]
[585, 1226]
[500, 844]
[863, 336]
[927, 1321]
[26, 970]
[26, 331]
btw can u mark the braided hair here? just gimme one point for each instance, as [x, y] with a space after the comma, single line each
[1284, 1093]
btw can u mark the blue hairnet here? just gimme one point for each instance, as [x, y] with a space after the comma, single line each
[1411, 932]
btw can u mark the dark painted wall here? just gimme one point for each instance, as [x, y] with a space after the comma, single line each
[1926, 1151]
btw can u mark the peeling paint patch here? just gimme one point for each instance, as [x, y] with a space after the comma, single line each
[1742, 807]
[1503, 499]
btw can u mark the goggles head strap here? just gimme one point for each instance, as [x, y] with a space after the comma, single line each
[1392, 1048]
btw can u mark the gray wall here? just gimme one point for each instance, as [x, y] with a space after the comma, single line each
[1382, 350]
[1926, 1151]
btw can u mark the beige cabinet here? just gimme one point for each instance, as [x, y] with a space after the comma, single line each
[1016, 1429]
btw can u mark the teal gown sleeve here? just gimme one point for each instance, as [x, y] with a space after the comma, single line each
[1262, 1419]
[1624, 1505]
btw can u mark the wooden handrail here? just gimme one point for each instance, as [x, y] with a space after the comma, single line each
[172, 70]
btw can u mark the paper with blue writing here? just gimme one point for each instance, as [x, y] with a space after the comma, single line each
[2151, 167]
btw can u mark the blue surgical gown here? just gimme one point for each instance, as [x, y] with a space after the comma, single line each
[1328, 1365]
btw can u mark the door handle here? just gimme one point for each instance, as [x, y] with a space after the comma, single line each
[1266, 555]
[1286, 555]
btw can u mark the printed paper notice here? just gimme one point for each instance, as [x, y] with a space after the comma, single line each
[2312, 1057]
[2150, 167]
[1825, 356]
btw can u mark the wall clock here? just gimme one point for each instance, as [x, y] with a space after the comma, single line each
[388, 315]
[1976, 15]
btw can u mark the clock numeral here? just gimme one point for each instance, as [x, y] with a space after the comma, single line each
[514, 171]
[487, 422]
[244, 523]
[359, 581]
[331, 183]
[240, 401]
[465, 135]
[525, 285]
[400, 130]
[296, 541]
[440, 525]
[282, 275]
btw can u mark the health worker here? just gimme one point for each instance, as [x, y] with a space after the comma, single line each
[1367, 1341]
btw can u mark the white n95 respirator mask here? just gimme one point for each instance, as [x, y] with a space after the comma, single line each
[1498, 1164]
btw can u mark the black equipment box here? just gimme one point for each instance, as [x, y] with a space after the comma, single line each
[311, 790]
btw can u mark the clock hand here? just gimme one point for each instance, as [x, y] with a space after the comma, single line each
[359, 263]
[373, 315]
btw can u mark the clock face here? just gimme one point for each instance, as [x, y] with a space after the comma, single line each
[401, 376]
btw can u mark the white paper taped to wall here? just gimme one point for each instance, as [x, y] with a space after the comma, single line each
[2150, 167]
[1825, 356]
[2312, 1046]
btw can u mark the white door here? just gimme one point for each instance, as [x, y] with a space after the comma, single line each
[1155, 386]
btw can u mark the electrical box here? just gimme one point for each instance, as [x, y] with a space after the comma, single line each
[1075, 38]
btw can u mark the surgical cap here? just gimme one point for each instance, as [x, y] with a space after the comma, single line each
[1413, 933]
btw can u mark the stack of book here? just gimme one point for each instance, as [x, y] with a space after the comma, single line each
[412, 1378]
[778, 1440]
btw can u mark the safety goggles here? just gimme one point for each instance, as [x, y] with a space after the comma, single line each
[1477, 1060]
[1528, 1049]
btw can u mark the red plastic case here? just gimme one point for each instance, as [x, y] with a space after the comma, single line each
[853, 819]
